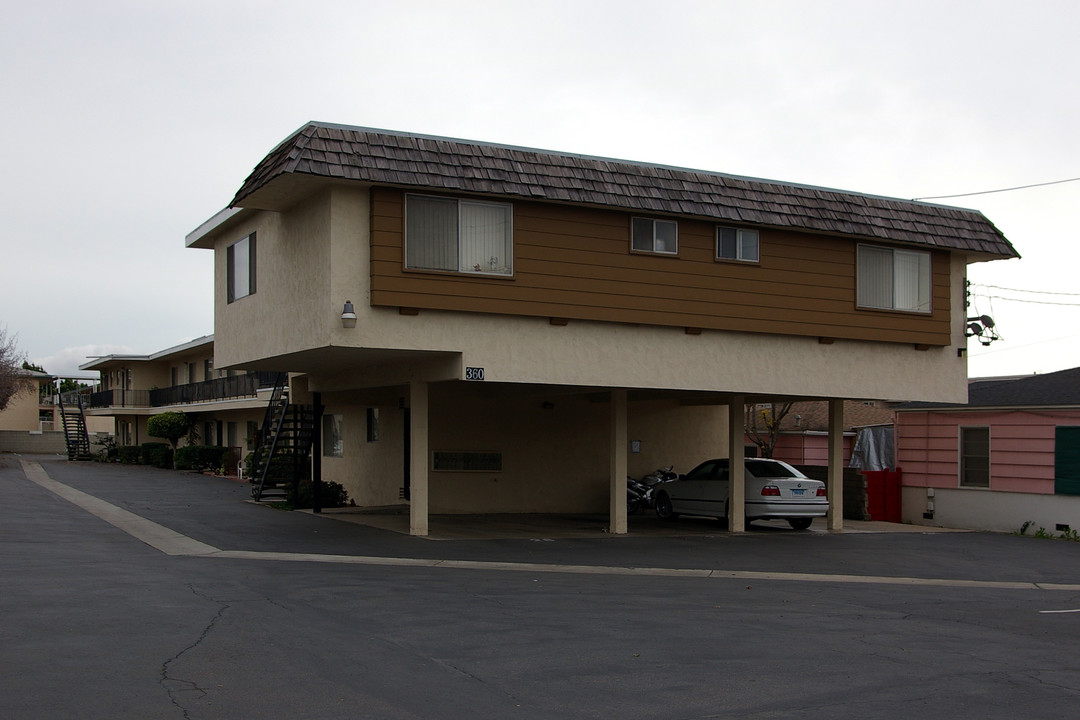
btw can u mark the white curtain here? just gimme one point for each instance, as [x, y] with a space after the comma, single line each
[485, 238]
[667, 238]
[911, 280]
[748, 245]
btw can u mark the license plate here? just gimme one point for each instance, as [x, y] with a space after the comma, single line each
[798, 492]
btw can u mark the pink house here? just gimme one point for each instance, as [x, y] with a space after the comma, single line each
[1010, 456]
[804, 432]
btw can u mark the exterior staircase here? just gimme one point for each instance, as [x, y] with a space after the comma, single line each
[75, 434]
[283, 447]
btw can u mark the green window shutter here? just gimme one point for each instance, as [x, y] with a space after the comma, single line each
[1067, 461]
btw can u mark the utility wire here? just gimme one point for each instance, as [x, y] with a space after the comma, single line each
[1037, 292]
[1033, 302]
[990, 192]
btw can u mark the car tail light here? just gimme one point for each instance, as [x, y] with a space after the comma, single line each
[821, 492]
[771, 491]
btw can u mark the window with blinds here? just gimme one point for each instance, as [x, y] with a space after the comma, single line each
[654, 236]
[458, 235]
[737, 244]
[893, 279]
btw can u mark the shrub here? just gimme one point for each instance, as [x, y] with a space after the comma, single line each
[157, 455]
[331, 495]
[200, 457]
[109, 449]
[169, 425]
[129, 454]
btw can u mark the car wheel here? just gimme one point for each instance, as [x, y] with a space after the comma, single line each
[663, 507]
[800, 523]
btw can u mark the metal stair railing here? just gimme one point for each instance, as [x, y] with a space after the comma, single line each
[269, 434]
[76, 437]
[294, 435]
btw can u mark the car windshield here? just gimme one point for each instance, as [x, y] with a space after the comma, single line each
[771, 470]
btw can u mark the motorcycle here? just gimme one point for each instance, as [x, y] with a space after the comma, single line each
[637, 494]
[640, 492]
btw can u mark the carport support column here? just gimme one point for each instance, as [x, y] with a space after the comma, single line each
[736, 457]
[617, 489]
[418, 458]
[835, 482]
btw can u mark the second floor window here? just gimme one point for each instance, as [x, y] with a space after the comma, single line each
[893, 279]
[736, 244]
[458, 235]
[240, 261]
[655, 236]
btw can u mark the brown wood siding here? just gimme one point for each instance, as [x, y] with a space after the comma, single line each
[575, 262]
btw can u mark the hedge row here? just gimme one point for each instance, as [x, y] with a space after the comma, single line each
[200, 457]
[211, 457]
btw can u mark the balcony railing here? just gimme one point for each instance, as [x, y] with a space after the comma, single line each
[226, 388]
[117, 398]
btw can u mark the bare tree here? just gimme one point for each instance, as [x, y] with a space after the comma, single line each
[12, 378]
[762, 424]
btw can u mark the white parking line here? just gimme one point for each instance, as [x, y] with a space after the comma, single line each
[171, 542]
[1056, 612]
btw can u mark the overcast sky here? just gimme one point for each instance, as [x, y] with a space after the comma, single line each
[127, 124]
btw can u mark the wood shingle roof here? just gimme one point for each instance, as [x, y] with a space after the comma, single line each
[417, 161]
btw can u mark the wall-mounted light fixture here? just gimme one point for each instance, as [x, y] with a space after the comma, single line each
[348, 315]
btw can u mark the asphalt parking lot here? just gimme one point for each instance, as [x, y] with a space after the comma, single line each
[142, 593]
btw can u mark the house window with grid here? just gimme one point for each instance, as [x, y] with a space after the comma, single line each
[737, 244]
[465, 236]
[654, 236]
[240, 262]
[893, 279]
[975, 457]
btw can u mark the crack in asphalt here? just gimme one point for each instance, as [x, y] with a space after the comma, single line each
[1037, 676]
[174, 686]
[414, 651]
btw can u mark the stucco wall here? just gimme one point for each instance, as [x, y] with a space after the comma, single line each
[21, 441]
[289, 309]
[555, 448]
[21, 412]
[371, 472]
[976, 509]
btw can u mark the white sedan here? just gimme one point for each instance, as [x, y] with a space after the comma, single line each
[774, 490]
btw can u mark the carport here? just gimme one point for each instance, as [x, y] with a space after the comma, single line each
[619, 446]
